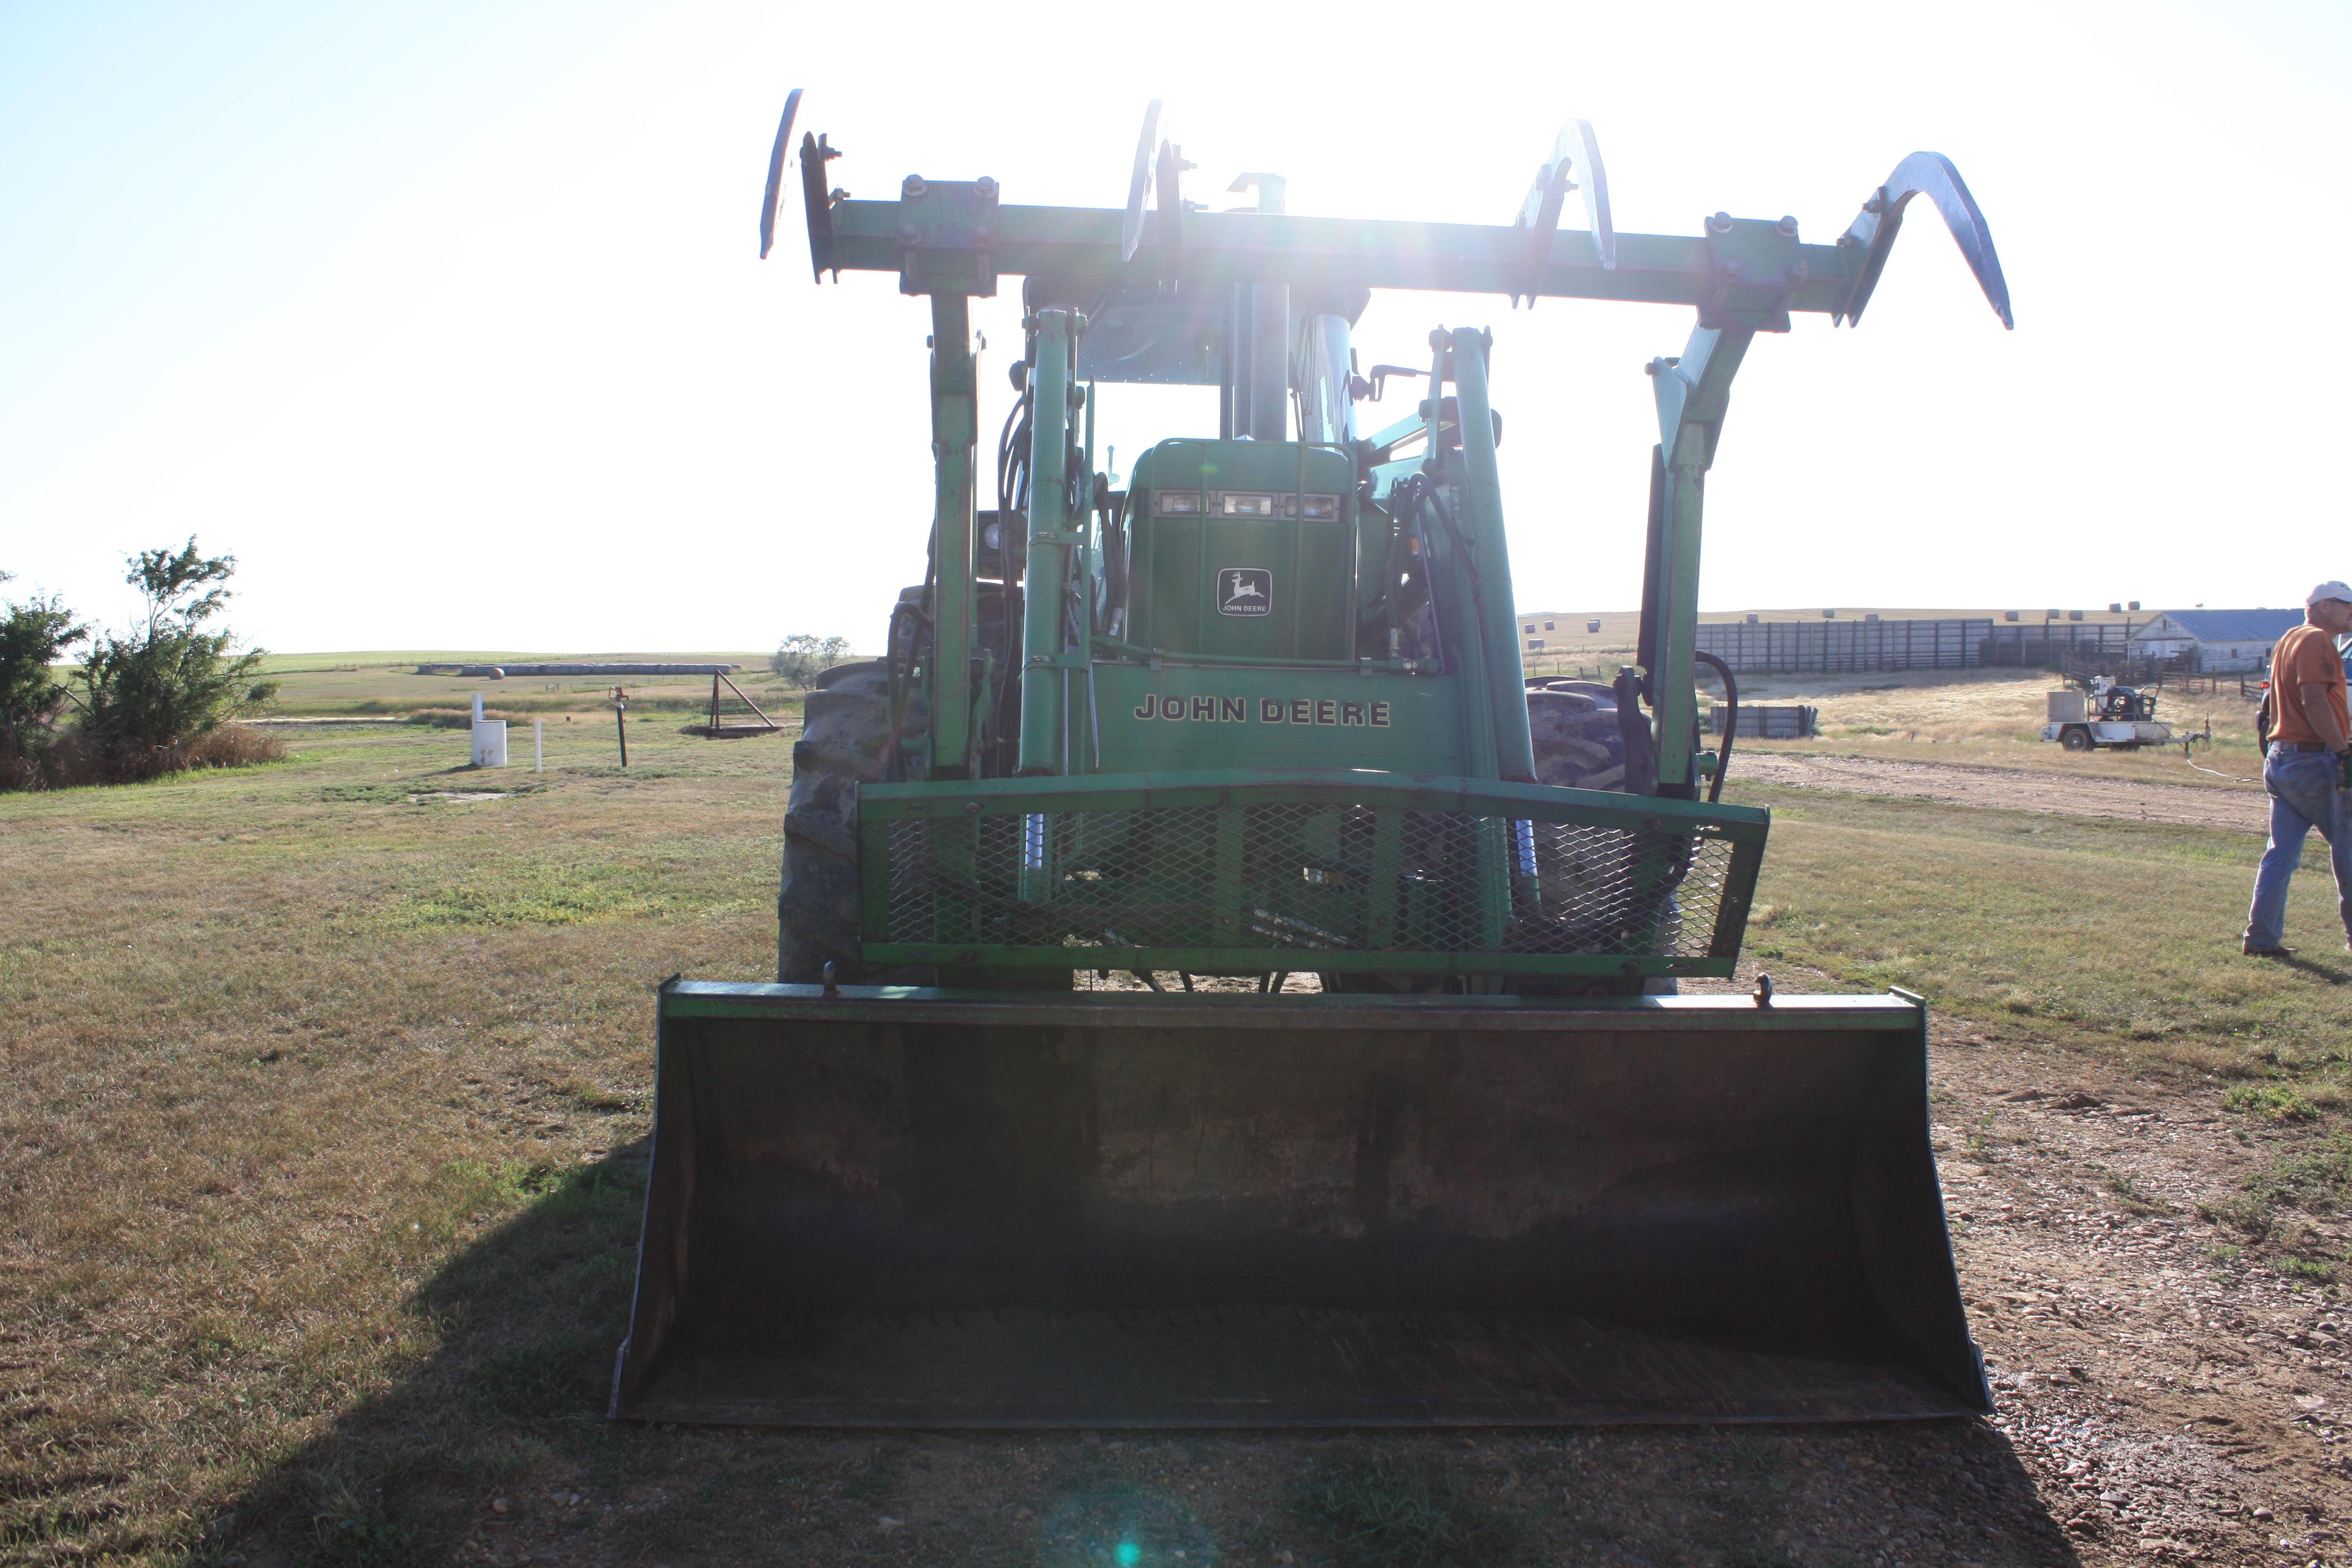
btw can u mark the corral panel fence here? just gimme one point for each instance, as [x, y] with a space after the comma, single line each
[1802, 648]
[2096, 647]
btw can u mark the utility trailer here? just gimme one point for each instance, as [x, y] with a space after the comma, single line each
[1034, 1129]
[2104, 713]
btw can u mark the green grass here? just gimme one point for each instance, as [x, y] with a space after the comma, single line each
[2272, 1101]
[2309, 1176]
[2111, 935]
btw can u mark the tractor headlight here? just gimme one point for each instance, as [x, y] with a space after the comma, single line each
[1249, 503]
[992, 536]
[1176, 503]
[1320, 508]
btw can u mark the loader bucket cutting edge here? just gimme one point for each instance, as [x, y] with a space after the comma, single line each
[917, 1208]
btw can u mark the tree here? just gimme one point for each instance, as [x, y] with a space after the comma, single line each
[801, 657]
[170, 680]
[33, 637]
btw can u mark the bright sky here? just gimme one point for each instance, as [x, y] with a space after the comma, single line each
[444, 317]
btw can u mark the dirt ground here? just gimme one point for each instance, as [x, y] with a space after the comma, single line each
[1962, 783]
[2161, 1398]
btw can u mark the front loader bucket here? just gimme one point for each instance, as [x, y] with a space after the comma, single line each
[897, 1207]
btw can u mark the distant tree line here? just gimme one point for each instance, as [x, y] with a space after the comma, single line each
[157, 698]
[800, 659]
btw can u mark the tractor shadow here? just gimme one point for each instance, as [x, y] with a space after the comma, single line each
[495, 1448]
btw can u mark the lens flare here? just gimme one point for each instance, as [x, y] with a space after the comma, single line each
[1123, 1527]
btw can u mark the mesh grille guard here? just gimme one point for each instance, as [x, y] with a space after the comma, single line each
[1328, 871]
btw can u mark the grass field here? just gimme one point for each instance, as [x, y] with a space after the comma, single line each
[1991, 717]
[387, 684]
[2113, 936]
[1978, 716]
[322, 1149]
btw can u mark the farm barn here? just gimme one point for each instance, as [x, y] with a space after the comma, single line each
[2222, 641]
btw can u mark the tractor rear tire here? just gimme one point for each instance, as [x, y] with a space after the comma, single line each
[846, 742]
[1578, 745]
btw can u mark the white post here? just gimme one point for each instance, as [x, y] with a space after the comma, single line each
[539, 745]
[477, 707]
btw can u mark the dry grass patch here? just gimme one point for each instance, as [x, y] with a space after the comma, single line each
[1994, 717]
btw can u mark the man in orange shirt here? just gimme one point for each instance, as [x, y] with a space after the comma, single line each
[2303, 766]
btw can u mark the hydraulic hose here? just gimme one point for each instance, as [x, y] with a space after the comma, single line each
[1730, 722]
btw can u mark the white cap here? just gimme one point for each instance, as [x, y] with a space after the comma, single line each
[2331, 589]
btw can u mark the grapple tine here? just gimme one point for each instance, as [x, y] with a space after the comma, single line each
[776, 173]
[1138, 184]
[1930, 174]
[1574, 165]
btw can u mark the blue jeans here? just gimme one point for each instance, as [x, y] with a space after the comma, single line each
[2303, 795]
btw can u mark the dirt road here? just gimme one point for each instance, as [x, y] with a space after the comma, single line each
[2014, 789]
[2167, 1395]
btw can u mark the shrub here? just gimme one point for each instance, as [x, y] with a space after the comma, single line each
[33, 636]
[149, 695]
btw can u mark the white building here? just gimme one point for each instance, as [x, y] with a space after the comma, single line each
[2222, 640]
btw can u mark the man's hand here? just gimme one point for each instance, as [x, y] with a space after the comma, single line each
[2320, 715]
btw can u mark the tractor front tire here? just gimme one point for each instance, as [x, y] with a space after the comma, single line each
[845, 741]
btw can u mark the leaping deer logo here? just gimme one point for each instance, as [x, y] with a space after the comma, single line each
[1244, 590]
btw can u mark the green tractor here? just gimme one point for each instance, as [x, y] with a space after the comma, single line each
[1217, 987]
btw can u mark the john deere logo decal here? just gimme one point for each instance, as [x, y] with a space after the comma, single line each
[1244, 590]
